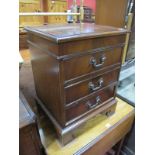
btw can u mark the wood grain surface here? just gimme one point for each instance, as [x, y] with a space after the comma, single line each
[69, 32]
[100, 129]
[111, 12]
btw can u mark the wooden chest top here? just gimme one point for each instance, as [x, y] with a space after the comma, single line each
[69, 32]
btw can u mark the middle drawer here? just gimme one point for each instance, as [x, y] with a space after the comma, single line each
[88, 86]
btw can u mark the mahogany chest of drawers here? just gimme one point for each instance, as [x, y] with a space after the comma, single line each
[76, 69]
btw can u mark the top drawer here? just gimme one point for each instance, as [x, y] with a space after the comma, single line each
[82, 46]
[83, 65]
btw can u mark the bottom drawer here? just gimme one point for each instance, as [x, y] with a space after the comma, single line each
[90, 103]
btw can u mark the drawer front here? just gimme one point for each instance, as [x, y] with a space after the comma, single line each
[84, 65]
[90, 103]
[91, 85]
[81, 46]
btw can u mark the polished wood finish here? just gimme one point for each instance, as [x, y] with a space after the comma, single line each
[59, 33]
[29, 138]
[47, 82]
[77, 47]
[80, 89]
[83, 135]
[74, 64]
[88, 104]
[82, 65]
[111, 12]
[111, 138]
[65, 133]
[95, 137]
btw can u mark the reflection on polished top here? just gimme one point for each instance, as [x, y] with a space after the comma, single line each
[66, 32]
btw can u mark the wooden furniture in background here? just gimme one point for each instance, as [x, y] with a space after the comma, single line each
[29, 138]
[30, 6]
[111, 12]
[54, 6]
[23, 40]
[96, 137]
[129, 24]
[131, 44]
[88, 13]
[39, 6]
[76, 69]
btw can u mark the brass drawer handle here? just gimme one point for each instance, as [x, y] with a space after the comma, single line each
[98, 101]
[94, 62]
[92, 86]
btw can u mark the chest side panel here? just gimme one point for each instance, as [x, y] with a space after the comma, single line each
[46, 72]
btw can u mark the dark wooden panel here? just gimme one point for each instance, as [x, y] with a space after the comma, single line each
[29, 141]
[82, 65]
[82, 88]
[90, 103]
[111, 12]
[29, 138]
[23, 41]
[47, 83]
[42, 43]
